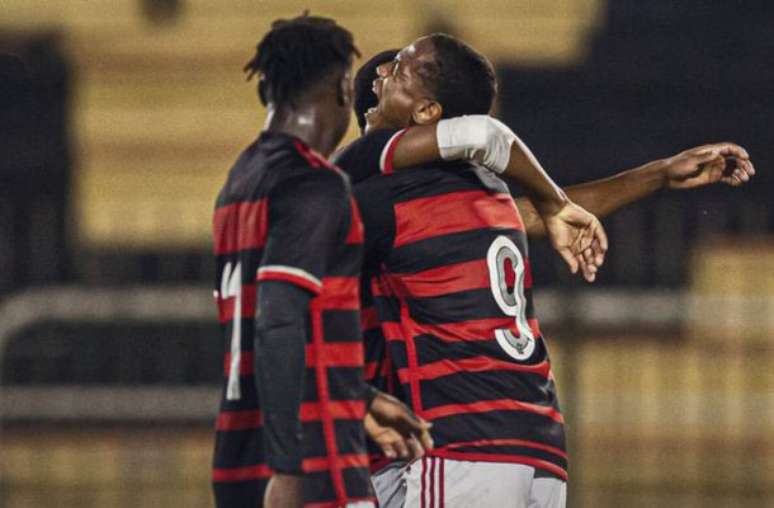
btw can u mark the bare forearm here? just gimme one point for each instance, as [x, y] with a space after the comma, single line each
[524, 168]
[602, 197]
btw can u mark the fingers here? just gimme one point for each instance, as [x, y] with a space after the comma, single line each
[600, 237]
[416, 449]
[388, 449]
[728, 149]
[589, 271]
[401, 447]
[737, 172]
[570, 259]
[425, 439]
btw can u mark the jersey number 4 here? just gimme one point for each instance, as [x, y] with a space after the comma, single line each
[231, 287]
[510, 299]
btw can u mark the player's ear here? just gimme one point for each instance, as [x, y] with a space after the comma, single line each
[427, 112]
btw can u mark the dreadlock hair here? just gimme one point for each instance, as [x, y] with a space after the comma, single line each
[296, 53]
[365, 98]
[460, 78]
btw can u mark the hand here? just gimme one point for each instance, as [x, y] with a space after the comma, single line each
[396, 429]
[720, 162]
[579, 238]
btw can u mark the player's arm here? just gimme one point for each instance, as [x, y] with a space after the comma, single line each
[576, 235]
[304, 224]
[726, 163]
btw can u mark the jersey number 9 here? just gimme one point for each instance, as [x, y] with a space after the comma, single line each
[510, 299]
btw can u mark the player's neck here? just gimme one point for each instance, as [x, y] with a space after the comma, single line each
[306, 122]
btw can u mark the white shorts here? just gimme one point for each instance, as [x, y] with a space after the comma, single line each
[435, 482]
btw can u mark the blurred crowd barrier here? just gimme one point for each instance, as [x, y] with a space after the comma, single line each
[108, 397]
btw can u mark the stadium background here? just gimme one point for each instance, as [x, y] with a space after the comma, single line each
[115, 144]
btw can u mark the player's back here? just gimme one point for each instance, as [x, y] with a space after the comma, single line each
[454, 297]
[265, 228]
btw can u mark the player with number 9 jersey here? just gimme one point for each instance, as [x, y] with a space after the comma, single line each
[450, 280]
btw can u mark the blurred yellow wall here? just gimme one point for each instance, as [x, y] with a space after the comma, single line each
[161, 110]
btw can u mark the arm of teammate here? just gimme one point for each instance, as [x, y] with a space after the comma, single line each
[305, 217]
[726, 163]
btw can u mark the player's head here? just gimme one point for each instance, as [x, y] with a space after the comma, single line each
[365, 98]
[437, 76]
[305, 60]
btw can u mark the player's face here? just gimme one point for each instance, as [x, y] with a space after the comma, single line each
[399, 86]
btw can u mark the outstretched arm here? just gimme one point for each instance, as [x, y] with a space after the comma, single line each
[726, 163]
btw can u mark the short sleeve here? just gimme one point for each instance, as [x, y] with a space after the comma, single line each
[306, 224]
[369, 155]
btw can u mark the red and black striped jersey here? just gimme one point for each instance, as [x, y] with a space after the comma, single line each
[452, 288]
[285, 213]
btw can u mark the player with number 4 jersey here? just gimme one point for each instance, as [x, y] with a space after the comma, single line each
[288, 244]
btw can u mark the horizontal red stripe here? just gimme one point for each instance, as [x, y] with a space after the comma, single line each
[310, 412]
[289, 277]
[262, 471]
[509, 442]
[370, 369]
[455, 212]
[246, 366]
[240, 226]
[339, 293]
[333, 354]
[486, 406]
[317, 464]
[356, 233]
[491, 457]
[443, 280]
[477, 329]
[226, 306]
[373, 369]
[336, 409]
[478, 364]
[241, 474]
[369, 319]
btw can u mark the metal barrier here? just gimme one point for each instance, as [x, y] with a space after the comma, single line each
[658, 415]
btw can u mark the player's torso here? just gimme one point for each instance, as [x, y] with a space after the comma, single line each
[242, 222]
[455, 301]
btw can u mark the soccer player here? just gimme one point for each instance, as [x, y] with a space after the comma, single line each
[288, 244]
[454, 268]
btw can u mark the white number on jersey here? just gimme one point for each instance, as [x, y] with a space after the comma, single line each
[511, 302]
[231, 287]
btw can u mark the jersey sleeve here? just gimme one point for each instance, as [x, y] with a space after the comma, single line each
[369, 155]
[306, 221]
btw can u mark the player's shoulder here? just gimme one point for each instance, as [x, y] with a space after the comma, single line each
[363, 149]
[307, 184]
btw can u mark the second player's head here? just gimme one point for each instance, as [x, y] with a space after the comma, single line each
[437, 76]
[305, 60]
